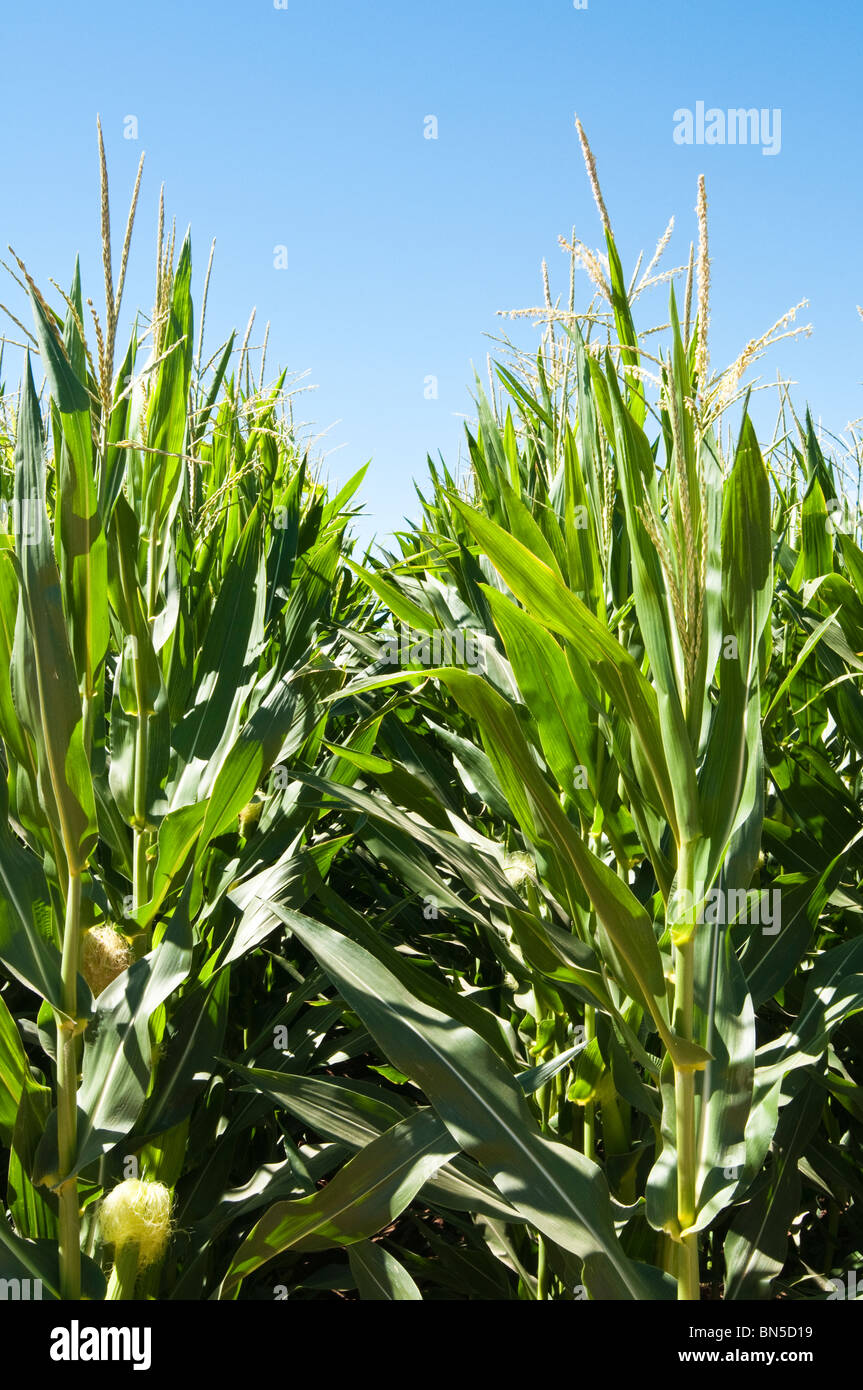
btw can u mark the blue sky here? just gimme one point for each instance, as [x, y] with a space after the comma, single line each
[303, 127]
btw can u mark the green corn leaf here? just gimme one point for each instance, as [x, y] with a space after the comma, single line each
[167, 415]
[380, 1277]
[731, 775]
[80, 537]
[29, 945]
[45, 687]
[33, 1210]
[15, 1075]
[549, 692]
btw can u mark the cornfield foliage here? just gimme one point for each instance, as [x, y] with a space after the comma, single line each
[473, 920]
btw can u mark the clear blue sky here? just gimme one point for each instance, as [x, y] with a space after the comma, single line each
[303, 127]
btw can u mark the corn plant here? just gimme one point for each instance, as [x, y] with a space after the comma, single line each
[607, 827]
[170, 589]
